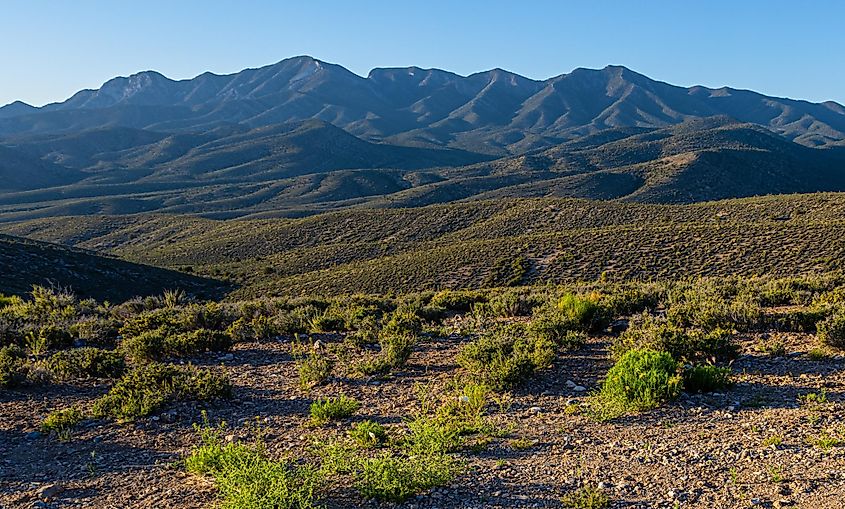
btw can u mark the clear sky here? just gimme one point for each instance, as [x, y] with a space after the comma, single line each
[50, 49]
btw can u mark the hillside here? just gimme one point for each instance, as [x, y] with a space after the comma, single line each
[306, 168]
[25, 262]
[474, 243]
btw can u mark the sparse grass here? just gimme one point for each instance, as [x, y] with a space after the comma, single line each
[246, 477]
[586, 497]
[329, 409]
[825, 441]
[394, 478]
[819, 355]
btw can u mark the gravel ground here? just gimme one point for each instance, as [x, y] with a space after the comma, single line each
[707, 450]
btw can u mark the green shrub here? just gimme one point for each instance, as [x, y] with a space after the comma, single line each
[557, 328]
[313, 369]
[831, 331]
[13, 366]
[706, 378]
[457, 300]
[690, 345]
[86, 362]
[506, 356]
[396, 478]
[368, 434]
[396, 348]
[402, 321]
[640, 380]
[147, 388]
[246, 478]
[703, 305]
[62, 421]
[586, 497]
[257, 328]
[325, 410]
[161, 344]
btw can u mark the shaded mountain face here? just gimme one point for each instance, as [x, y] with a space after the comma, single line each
[303, 136]
[493, 112]
[89, 274]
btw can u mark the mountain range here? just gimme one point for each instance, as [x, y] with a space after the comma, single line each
[303, 136]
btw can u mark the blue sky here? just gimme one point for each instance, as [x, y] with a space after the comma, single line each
[785, 48]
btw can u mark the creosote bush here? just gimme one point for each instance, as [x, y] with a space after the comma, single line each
[640, 380]
[86, 362]
[506, 356]
[686, 345]
[313, 369]
[831, 331]
[13, 366]
[147, 388]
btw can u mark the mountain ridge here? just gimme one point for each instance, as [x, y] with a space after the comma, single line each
[491, 111]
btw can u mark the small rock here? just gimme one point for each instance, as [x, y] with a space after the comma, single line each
[50, 491]
[579, 388]
[570, 384]
[230, 438]
[226, 357]
[535, 410]
[33, 435]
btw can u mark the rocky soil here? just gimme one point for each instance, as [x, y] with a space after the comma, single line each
[752, 446]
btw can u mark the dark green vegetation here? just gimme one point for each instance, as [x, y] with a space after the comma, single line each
[459, 245]
[303, 136]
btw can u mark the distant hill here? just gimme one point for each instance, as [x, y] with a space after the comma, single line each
[460, 244]
[25, 262]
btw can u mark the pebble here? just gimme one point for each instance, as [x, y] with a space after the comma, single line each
[579, 388]
[535, 410]
[226, 357]
[50, 491]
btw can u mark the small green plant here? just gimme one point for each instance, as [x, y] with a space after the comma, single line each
[640, 380]
[775, 473]
[368, 434]
[62, 422]
[313, 369]
[586, 497]
[773, 440]
[818, 354]
[522, 444]
[773, 347]
[706, 378]
[328, 409]
[161, 344]
[147, 388]
[396, 478]
[825, 441]
[245, 477]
